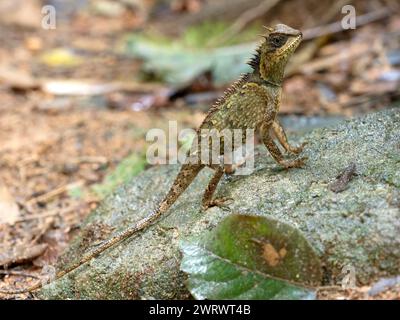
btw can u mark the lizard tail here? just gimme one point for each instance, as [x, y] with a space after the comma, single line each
[183, 180]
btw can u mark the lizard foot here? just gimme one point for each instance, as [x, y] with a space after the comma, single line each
[230, 169]
[299, 149]
[297, 163]
[220, 202]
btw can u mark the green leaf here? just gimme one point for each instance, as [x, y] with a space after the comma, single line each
[251, 257]
[126, 170]
[177, 64]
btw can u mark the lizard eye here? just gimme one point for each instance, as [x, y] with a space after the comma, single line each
[278, 41]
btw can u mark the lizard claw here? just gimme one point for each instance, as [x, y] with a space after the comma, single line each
[220, 202]
[297, 163]
[229, 169]
[299, 149]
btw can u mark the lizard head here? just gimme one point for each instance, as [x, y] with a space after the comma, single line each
[274, 52]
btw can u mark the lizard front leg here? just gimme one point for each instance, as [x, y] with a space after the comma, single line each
[282, 138]
[275, 152]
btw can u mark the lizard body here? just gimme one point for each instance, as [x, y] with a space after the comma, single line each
[250, 103]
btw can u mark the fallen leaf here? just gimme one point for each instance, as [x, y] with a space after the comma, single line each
[251, 257]
[21, 253]
[9, 211]
[343, 179]
[18, 79]
[21, 13]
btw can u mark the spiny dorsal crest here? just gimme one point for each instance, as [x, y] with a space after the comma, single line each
[231, 90]
[255, 59]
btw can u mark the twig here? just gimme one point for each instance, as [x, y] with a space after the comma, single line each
[92, 87]
[17, 273]
[322, 63]
[244, 19]
[308, 51]
[92, 159]
[318, 32]
[54, 193]
[336, 27]
[42, 230]
[50, 213]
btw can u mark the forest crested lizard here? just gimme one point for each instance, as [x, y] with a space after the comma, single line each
[250, 103]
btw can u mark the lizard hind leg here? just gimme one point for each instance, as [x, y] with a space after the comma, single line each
[208, 200]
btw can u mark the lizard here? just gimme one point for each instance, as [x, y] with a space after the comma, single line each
[252, 102]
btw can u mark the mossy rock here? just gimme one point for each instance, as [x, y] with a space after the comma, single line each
[359, 226]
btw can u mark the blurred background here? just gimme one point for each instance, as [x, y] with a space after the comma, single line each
[79, 90]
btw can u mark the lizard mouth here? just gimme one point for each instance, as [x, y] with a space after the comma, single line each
[291, 46]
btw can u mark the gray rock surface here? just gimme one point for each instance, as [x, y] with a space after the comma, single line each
[359, 226]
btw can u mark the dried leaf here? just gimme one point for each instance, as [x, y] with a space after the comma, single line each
[9, 211]
[343, 179]
[21, 253]
[18, 79]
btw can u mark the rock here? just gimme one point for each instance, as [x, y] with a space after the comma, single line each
[358, 227]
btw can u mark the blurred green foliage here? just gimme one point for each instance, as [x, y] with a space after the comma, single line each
[178, 61]
[126, 169]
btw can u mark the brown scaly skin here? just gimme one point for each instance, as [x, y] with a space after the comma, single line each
[251, 103]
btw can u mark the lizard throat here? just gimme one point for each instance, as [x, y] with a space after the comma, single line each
[272, 66]
[271, 83]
